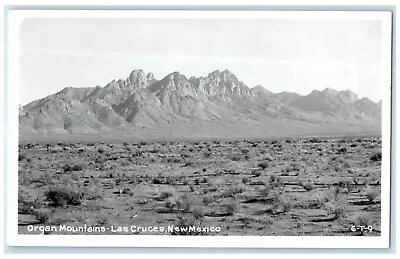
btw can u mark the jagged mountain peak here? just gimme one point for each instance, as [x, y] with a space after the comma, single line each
[344, 95]
[224, 75]
[222, 84]
[175, 101]
[112, 84]
[176, 74]
[348, 96]
[227, 72]
[326, 92]
[172, 82]
[136, 73]
[138, 78]
[150, 76]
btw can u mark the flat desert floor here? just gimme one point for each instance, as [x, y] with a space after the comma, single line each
[290, 187]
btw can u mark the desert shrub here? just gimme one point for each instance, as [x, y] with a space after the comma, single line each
[21, 157]
[169, 180]
[336, 168]
[308, 186]
[207, 154]
[236, 157]
[183, 224]
[102, 221]
[170, 204]
[173, 160]
[293, 166]
[256, 173]
[245, 151]
[196, 181]
[263, 165]
[371, 194]
[183, 203]
[362, 219]
[314, 140]
[376, 157]
[204, 170]
[41, 215]
[231, 207]
[118, 181]
[26, 206]
[284, 203]
[321, 200]
[276, 183]
[62, 196]
[72, 168]
[337, 190]
[233, 190]
[357, 180]
[157, 181]
[334, 207]
[263, 192]
[137, 154]
[245, 180]
[213, 189]
[165, 195]
[346, 164]
[344, 183]
[207, 200]
[197, 212]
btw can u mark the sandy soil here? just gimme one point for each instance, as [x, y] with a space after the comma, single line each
[313, 186]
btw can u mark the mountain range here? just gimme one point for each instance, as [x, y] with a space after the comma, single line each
[218, 105]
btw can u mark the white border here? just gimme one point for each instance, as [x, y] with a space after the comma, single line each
[13, 239]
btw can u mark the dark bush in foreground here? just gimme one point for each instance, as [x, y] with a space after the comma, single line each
[376, 157]
[62, 196]
[71, 168]
[21, 157]
[263, 165]
[157, 181]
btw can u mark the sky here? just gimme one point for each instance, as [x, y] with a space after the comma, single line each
[281, 55]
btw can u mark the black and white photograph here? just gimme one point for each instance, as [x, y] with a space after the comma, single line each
[174, 125]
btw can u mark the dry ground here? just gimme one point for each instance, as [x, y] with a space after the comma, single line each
[314, 186]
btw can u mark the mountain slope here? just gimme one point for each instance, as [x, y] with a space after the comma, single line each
[343, 104]
[217, 105]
